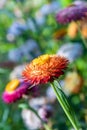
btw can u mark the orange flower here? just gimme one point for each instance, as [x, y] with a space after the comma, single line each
[84, 30]
[72, 30]
[73, 83]
[44, 69]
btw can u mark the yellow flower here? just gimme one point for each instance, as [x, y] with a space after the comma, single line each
[12, 85]
[44, 69]
[72, 30]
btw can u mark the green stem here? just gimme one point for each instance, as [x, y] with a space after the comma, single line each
[64, 104]
[83, 39]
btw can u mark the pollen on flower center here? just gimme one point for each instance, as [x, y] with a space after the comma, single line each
[41, 60]
[11, 86]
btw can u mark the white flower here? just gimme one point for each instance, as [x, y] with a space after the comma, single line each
[71, 51]
[16, 73]
[2, 3]
[43, 108]
[31, 121]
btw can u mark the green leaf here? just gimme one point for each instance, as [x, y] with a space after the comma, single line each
[65, 3]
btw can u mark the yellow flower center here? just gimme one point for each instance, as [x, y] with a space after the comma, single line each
[41, 59]
[11, 86]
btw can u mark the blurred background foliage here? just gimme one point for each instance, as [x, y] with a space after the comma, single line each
[27, 23]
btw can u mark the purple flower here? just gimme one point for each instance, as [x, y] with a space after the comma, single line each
[17, 28]
[72, 13]
[15, 90]
[10, 97]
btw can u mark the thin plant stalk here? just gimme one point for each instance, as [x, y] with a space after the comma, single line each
[64, 104]
[43, 122]
[35, 112]
[83, 39]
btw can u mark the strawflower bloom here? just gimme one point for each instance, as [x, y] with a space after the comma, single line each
[14, 90]
[44, 69]
[74, 12]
